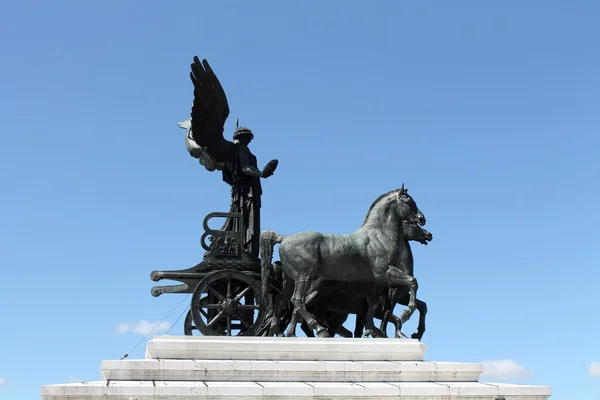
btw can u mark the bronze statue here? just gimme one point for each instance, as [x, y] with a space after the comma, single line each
[205, 141]
[236, 293]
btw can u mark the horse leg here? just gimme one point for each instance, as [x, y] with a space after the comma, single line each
[384, 321]
[342, 331]
[299, 299]
[291, 330]
[359, 326]
[318, 309]
[373, 303]
[298, 288]
[336, 321]
[387, 308]
[281, 301]
[397, 277]
[422, 307]
[400, 296]
[304, 326]
[398, 326]
[328, 321]
[395, 296]
[306, 329]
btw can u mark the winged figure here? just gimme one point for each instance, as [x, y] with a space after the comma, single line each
[204, 140]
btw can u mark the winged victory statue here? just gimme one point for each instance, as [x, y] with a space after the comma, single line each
[204, 140]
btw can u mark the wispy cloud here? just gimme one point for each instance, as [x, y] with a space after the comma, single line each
[595, 369]
[143, 327]
[2, 381]
[505, 370]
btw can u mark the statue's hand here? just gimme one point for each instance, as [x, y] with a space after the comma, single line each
[270, 168]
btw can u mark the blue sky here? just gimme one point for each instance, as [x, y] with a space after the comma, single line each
[487, 111]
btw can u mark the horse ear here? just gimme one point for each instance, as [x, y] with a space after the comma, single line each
[402, 190]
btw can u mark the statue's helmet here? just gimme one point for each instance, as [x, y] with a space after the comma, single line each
[242, 132]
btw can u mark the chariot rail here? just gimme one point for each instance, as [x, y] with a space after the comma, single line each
[225, 285]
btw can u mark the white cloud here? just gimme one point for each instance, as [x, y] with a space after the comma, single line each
[143, 327]
[506, 370]
[2, 381]
[595, 369]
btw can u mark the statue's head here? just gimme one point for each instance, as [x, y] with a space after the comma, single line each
[407, 208]
[243, 135]
[416, 233]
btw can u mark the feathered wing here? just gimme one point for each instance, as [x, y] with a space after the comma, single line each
[197, 151]
[209, 112]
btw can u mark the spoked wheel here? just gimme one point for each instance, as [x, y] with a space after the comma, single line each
[227, 303]
[189, 327]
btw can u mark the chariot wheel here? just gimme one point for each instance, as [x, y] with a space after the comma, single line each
[227, 303]
[188, 325]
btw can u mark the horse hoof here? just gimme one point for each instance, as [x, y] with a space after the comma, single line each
[376, 333]
[323, 334]
[416, 336]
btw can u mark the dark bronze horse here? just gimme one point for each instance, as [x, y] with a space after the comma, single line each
[370, 254]
[332, 302]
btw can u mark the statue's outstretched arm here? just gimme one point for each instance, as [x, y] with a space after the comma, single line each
[245, 163]
[252, 171]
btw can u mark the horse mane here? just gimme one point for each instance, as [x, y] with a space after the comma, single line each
[375, 203]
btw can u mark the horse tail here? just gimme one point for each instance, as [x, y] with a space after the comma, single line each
[267, 241]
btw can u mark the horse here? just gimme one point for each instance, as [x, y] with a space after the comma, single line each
[334, 301]
[399, 295]
[369, 254]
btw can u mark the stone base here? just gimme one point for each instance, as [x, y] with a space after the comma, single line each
[184, 367]
[283, 348]
[175, 390]
[288, 371]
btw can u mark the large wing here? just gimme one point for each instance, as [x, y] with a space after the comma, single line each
[209, 111]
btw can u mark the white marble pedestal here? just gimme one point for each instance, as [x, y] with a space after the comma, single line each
[186, 367]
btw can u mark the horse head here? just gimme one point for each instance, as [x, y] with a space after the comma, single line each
[416, 233]
[407, 208]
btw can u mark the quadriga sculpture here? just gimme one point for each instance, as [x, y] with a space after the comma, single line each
[370, 254]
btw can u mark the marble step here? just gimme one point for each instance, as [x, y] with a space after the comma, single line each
[275, 348]
[180, 390]
[290, 371]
